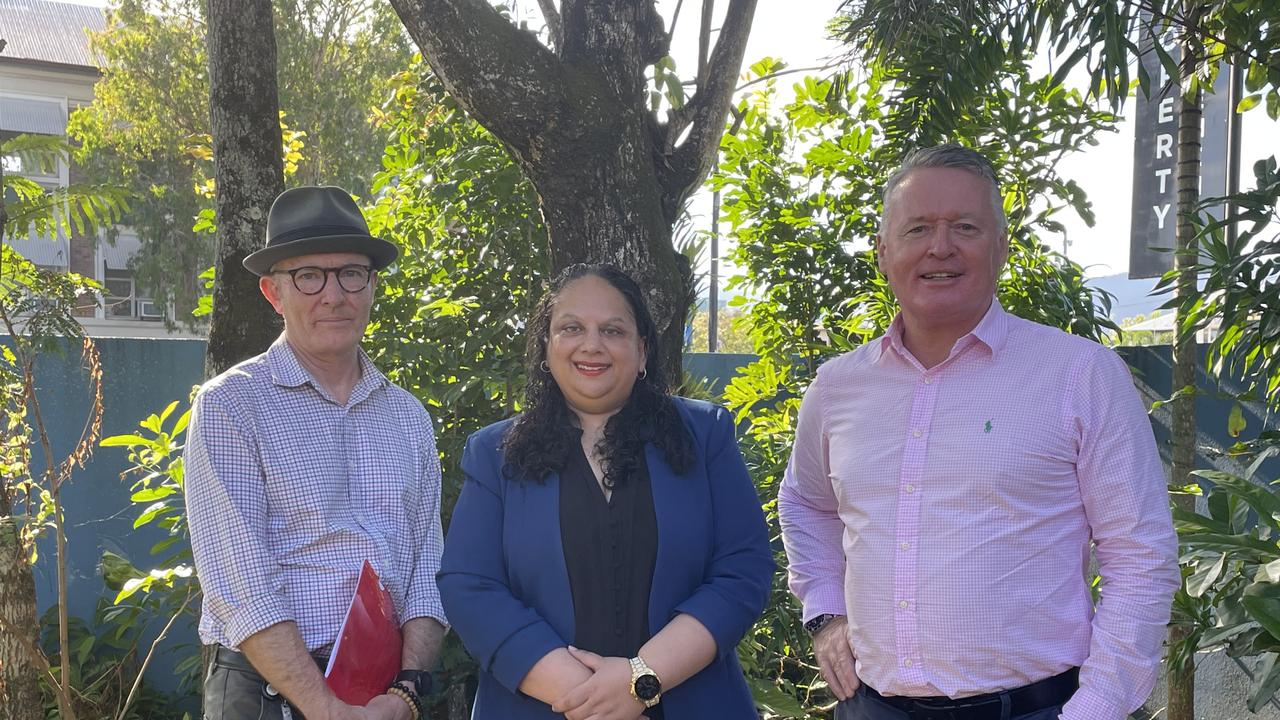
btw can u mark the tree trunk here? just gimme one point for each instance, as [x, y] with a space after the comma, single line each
[19, 627]
[244, 115]
[611, 176]
[1181, 681]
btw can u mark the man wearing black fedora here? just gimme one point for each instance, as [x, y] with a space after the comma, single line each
[301, 464]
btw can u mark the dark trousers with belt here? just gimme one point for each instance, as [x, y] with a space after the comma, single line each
[1042, 700]
[234, 690]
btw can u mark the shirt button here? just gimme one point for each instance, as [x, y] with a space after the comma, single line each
[904, 605]
[907, 662]
[910, 489]
[916, 433]
[928, 381]
[906, 546]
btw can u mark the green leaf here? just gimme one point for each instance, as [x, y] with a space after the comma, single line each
[1266, 681]
[1205, 575]
[1248, 103]
[116, 570]
[123, 441]
[152, 494]
[1261, 601]
[1235, 421]
[1264, 501]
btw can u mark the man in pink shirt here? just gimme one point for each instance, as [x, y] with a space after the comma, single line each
[949, 478]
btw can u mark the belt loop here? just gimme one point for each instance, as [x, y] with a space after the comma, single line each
[1006, 712]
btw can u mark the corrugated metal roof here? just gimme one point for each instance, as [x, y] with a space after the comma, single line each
[44, 251]
[116, 256]
[24, 115]
[51, 32]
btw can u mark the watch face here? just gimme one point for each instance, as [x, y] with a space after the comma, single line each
[648, 687]
[421, 680]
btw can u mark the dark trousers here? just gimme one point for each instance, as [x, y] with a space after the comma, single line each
[233, 690]
[864, 707]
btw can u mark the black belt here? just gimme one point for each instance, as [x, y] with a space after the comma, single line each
[227, 657]
[233, 660]
[1027, 699]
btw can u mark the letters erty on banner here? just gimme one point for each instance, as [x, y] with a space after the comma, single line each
[1155, 160]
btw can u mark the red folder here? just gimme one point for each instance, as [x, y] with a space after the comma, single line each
[366, 656]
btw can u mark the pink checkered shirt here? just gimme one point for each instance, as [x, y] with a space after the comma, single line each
[948, 512]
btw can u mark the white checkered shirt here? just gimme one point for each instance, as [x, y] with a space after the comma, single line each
[289, 492]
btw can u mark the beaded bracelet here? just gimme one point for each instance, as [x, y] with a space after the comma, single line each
[401, 691]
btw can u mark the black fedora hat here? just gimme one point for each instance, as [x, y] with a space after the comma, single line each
[308, 220]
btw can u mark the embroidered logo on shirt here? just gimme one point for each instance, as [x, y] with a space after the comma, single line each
[987, 428]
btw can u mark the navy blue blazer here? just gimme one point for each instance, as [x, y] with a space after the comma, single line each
[506, 590]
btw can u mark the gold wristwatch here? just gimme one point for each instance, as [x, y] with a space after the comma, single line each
[645, 685]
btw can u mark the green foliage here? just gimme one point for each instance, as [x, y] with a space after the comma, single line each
[449, 320]
[36, 310]
[34, 211]
[170, 590]
[104, 665]
[732, 335]
[1241, 293]
[148, 126]
[1231, 565]
[1103, 36]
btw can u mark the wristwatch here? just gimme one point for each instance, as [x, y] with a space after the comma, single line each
[421, 680]
[815, 625]
[645, 685]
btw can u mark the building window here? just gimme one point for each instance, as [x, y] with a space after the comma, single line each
[118, 298]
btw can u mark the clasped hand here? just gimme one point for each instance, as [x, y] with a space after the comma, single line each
[606, 695]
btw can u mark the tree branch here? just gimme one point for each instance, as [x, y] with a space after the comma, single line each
[705, 112]
[554, 26]
[704, 39]
[501, 75]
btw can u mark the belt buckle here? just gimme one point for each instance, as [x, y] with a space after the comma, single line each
[952, 711]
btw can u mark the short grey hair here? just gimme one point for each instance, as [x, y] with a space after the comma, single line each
[948, 156]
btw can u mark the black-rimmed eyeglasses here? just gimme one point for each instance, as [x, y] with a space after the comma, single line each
[311, 280]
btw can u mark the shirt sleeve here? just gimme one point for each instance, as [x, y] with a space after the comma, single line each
[809, 513]
[504, 635]
[1126, 502]
[227, 518]
[739, 575]
[428, 539]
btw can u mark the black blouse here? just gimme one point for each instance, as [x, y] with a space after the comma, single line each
[609, 550]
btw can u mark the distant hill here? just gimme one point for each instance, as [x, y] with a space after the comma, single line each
[1132, 297]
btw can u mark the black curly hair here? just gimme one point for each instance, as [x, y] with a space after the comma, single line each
[541, 438]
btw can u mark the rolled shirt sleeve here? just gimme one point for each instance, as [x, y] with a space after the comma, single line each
[227, 518]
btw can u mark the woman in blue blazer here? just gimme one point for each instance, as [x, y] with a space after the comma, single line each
[608, 550]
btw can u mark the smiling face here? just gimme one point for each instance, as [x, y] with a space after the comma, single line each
[593, 347]
[329, 324]
[942, 250]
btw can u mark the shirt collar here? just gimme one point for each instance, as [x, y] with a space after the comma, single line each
[991, 330]
[286, 371]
